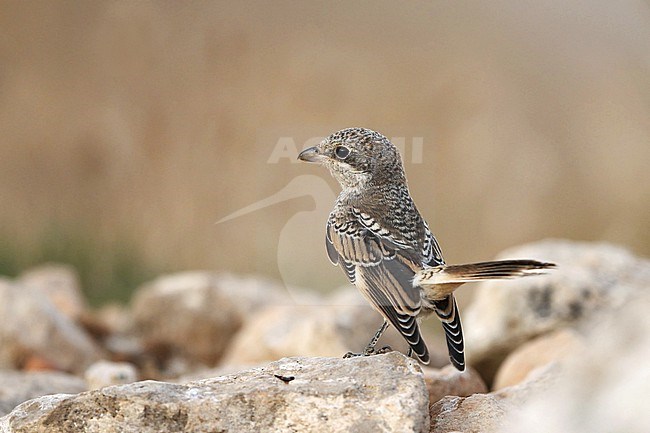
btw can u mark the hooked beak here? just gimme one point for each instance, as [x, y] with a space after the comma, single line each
[310, 154]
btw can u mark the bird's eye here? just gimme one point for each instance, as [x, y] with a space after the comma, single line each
[342, 152]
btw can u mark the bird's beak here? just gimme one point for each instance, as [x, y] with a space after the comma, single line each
[310, 154]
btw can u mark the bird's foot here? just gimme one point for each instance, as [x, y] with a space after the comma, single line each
[369, 351]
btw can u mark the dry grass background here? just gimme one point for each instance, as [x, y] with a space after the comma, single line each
[127, 128]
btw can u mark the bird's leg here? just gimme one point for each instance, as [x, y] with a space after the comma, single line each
[370, 348]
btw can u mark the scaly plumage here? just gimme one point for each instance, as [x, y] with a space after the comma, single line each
[377, 236]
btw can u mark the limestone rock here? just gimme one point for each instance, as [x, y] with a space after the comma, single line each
[449, 381]
[114, 318]
[590, 277]
[222, 370]
[17, 387]
[60, 283]
[106, 373]
[300, 330]
[600, 385]
[488, 413]
[368, 394]
[536, 353]
[479, 413]
[32, 327]
[190, 314]
[252, 293]
[605, 387]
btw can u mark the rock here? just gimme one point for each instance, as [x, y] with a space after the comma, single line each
[366, 394]
[114, 326]
[186, 320]
[31, 327]
[600, 385]
[17, 387]
[603, 388]
[590, 277]
[35, 362]
[449, 381]
[342, 323]
[187, 314]
[487, 413]
[536, 353]
[252, 293]
[60, 283]
[300, 330]
[479, 413]
[106, 373]
[208, 373]
[114, 319]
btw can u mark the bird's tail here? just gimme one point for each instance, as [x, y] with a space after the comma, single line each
[439, 282]
[445, 278]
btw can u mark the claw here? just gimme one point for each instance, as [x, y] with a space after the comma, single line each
[370, 348]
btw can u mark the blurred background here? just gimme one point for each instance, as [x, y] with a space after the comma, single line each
[128, 129]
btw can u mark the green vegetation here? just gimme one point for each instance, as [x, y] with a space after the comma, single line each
[109, 270]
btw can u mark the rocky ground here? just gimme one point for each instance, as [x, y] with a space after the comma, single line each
[212, 352]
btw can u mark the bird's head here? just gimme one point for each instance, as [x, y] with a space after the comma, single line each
[357, 157]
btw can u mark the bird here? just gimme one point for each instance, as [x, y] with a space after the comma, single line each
[377, 236]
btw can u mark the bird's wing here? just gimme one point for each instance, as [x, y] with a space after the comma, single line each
[431, 251]
[381, 268]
